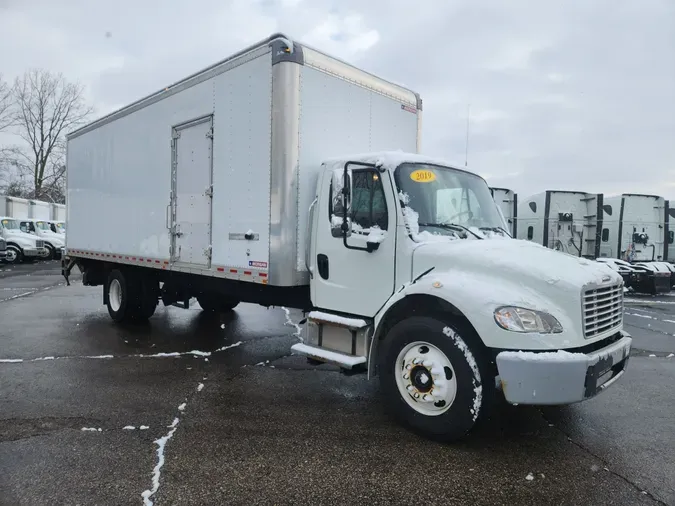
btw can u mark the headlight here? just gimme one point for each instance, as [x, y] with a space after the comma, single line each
[518, 319]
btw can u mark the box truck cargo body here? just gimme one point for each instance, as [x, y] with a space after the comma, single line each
[566, 221]
[265, 179]
[507, 202]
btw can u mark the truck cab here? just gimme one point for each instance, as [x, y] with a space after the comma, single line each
[53, 242]
[21, 246]
[414, 275]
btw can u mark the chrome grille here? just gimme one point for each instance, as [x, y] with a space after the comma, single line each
[602, 309]
[39, 243]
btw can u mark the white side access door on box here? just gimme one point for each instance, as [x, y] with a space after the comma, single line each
[192, 192]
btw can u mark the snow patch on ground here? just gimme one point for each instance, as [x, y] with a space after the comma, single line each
[298, 330]
[128, 427]
[477, 385]
[91, 429]
[156, 472]
[200, 387]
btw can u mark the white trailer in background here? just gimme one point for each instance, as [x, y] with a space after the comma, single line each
[237, 184]
[58, 212]
[39, 210]
[566, 221]
[636, 229]
[15, 207]
[507, 202]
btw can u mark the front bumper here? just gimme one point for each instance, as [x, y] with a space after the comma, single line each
[35, 252]
[3, 254]
[561, 377]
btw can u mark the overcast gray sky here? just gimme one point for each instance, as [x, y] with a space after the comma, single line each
[577, 94]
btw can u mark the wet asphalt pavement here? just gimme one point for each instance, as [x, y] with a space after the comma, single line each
[241, 421]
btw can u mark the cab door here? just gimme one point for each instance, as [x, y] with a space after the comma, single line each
[349, 278]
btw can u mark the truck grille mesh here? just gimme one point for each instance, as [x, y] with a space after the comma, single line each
[39, 243]
[602, 309]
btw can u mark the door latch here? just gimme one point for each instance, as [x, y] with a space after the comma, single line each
[207, 252]
[209, 191]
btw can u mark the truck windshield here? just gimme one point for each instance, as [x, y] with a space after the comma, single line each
[10, 224]
[448, 201]
[42, 225]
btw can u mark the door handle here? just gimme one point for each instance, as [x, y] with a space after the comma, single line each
[322, 265]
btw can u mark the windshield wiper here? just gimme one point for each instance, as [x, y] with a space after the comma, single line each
[451, 226]
[496, 229]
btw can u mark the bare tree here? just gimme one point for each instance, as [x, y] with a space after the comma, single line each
[5, 104]
[47, 107]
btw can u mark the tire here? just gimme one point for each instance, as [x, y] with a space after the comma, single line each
[216, 303]
[14, 254]
[51, 253]
[131, 296]
[453, 391]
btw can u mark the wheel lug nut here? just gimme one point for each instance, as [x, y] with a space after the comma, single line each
[406, 376]
[416, 395]
[409, 388]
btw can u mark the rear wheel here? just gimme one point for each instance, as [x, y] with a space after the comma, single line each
[130, 296]
[216, 303]
[434, 377]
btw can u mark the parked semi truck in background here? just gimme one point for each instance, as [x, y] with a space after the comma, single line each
[567, 221]
[237, 184]
[636, 229]
[507, 202]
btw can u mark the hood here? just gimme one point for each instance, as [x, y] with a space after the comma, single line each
[18, 235]
[517, 261]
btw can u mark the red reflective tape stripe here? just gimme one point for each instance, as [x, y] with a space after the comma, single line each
[221, 269]
[263, 274]
[247, 273]
[233, 271]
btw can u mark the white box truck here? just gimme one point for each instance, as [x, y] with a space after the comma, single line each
[507, 202]
[567, 221]
[243, 183]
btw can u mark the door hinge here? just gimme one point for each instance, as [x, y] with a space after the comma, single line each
[209, 134]
[209, 191]
[175, 134]
[207, 252]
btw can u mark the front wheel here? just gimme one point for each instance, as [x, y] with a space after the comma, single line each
[434, 378]
[14, 254]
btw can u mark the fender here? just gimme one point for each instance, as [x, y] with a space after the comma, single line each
[474, 297]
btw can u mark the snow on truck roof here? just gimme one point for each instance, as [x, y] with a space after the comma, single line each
[391, 159]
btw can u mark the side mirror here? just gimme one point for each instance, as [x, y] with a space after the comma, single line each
[341, 224]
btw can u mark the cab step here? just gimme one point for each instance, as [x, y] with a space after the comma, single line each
[336, 339]
[328, 356]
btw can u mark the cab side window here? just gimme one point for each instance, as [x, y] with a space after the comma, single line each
[24, 227]
[369, 206]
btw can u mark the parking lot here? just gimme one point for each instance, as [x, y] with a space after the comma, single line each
[215, 410]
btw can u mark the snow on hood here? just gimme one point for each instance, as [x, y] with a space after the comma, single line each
[514, 259]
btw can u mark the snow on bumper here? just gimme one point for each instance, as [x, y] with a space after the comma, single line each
[561, 377]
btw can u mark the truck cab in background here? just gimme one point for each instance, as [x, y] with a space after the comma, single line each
[21, 246]
[53, 242]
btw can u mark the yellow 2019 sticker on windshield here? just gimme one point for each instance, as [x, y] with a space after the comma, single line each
[422, 176]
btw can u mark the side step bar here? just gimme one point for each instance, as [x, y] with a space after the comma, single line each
[329, 356]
